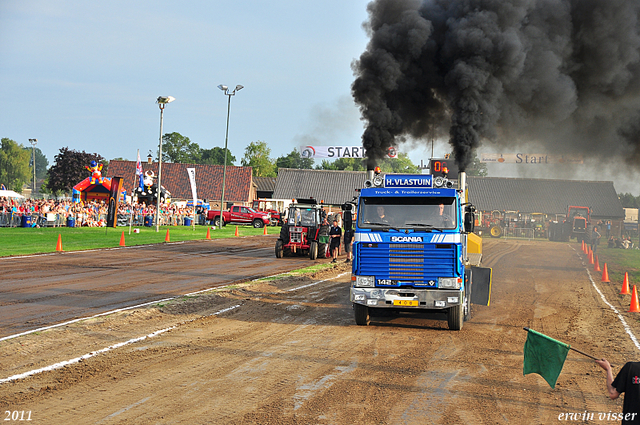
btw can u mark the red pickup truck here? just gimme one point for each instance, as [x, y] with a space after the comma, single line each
[240, 215]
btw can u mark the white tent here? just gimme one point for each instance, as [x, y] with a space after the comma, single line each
[10, 194]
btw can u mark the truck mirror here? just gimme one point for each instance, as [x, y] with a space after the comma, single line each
[348, 219]
[469, 222]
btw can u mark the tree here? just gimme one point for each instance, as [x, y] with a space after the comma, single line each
[476, 168]
[629, 201]
[178, 148]
[41, 162]
[14, 165]
[215, 156]
[69, 169]
[294, 160]
[256, 155]
[346, 164]
[401, 164]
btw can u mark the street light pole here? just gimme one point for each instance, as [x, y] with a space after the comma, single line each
[34, 142]
[226, 91]
[162, 102]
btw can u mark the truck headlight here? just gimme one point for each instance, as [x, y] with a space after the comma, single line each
[449, 282]
[365, 281]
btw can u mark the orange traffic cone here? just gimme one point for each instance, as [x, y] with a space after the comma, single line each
[582, 246]
[122, 239]
[634, 307]
[208, 232]
[605, 274]
[236, 230]
[596, 268]
[590, 256]
[265, 231]
[625, 285]
[166, 238]
[59, 244]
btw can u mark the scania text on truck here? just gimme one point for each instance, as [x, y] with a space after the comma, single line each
[414, 250]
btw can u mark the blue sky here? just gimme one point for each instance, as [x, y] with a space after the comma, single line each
[86, 74]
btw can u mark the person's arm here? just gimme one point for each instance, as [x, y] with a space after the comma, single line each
[613, 393]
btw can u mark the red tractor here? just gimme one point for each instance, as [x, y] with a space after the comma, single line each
[302, 231]
[577, 225]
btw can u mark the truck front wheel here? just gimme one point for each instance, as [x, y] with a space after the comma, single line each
[216, 222]
[257, 223]
[361, 314]
[455, 317]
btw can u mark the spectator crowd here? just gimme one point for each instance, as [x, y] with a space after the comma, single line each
[49, 212]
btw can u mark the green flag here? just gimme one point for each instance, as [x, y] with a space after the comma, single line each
[544, 356]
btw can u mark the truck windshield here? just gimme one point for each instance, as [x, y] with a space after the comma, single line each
[415, 213]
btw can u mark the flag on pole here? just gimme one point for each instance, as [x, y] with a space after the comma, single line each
[139, 172]
[545, 356]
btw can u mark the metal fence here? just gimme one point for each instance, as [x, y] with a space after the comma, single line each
[520, 233]
[95, 220]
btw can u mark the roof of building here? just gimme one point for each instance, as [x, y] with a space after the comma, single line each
[175, 179]
[332, 187]
[544, 196]
[265, 184]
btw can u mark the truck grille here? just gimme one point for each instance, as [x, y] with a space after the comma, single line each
[409, 264]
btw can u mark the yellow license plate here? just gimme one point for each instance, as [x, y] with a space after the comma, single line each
[406, 303]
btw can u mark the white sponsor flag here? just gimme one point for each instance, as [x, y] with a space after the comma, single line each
[192, 180]
[340, 152]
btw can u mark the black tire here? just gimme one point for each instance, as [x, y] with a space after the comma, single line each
[216, 222]
[313, 250]
[322, 250]
[257, 223]
[361, 313]
[467, 302]
[455, 317]
[279, 250]
[284, 234]
[495, 231]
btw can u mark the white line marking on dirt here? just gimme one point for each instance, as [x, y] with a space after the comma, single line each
[62, 364]
[615, 310]
[315, 283]
[17, 257]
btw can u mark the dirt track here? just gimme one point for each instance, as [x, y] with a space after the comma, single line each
[283, 355]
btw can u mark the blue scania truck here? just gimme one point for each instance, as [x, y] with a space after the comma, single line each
[414, 250]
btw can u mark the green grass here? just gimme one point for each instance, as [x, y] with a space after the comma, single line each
[310, 269]
[620, 261]
[24, 241]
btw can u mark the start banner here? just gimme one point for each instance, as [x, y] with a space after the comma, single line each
[530, 158]
[340, 152]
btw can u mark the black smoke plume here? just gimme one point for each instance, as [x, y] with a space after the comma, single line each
[564, 75]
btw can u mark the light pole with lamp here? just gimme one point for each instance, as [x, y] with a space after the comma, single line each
[226, 91]
[34, 142]
[162, 102]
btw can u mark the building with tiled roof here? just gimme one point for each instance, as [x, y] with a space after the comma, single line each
[265, 186]
[332, 187]
[239, 186]
[544, 196]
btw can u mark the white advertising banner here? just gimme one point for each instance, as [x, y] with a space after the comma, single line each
[340, 152]
[529, 158]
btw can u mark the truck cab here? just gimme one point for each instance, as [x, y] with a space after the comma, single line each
[410, 249]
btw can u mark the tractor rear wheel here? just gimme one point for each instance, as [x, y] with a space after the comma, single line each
[495, 231]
